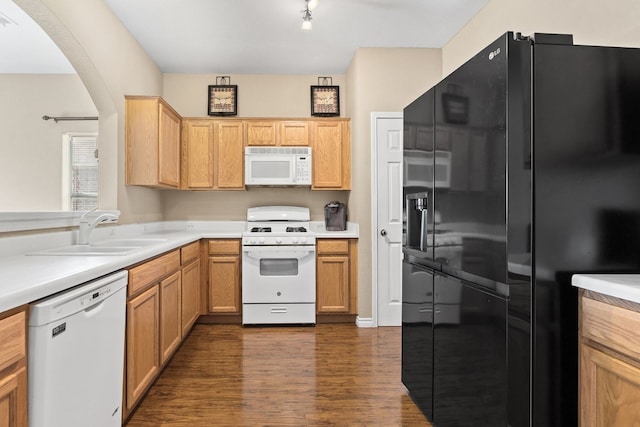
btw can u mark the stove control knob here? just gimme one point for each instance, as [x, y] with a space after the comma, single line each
[278, 239]
[252, 241]
[303, 240]
[295, 240]
[261, 240]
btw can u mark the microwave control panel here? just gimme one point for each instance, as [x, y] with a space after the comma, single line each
[303, 169]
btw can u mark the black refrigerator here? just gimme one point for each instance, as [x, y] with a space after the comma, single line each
[521, 168]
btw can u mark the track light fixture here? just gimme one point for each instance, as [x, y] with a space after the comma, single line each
[306, 13]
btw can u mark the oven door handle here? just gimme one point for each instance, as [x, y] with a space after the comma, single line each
[261, 253]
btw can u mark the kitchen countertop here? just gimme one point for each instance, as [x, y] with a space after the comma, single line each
[624, 286]
[27, 278]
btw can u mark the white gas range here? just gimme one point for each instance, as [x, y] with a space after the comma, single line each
[278, 266]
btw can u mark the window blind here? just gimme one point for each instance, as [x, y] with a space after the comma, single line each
[84, 173]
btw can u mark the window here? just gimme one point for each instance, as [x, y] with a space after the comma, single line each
[80, 172]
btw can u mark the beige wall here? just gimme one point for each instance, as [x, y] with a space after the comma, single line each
[110, 63]
[592, 22]
[30, 147]
[258, 96]
[379, 80]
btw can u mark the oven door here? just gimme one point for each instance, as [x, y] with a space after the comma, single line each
[280, 274]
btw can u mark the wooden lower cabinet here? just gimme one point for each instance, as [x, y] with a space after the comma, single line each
[163, 305]
[170, 315]
[224, 278]
[190, 295]
[13, 369]
[143, 346]
[333, 284]
[609, 361]
[13, 399]
[336, 276]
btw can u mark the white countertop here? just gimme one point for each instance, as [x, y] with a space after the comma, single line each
[624, 286]
[26, 278]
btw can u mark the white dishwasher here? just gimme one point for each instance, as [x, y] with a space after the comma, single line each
[76, 355]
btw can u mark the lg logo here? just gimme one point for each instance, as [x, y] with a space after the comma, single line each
[494, 54]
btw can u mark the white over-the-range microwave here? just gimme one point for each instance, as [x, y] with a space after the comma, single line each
[277, 166]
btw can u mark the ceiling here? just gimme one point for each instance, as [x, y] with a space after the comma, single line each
[249, 36]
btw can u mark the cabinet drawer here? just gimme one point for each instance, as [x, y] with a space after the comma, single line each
[328, 246]
[13, 339]
[224, 247]
[189, 252]
[149, 272]
[614, 327]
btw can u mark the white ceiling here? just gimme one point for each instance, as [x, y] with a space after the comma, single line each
[250, 36]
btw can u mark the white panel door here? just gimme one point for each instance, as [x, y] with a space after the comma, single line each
[389, 226]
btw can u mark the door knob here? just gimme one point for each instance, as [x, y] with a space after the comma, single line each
[383, 232]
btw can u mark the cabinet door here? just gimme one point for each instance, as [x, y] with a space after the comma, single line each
[197, 154]
[13, 371]
[332, 284]
[143, 351]
[224, 284]
[261, 133]
[168, 147]
[170, 315]
[294, 133]
[331, 155]
[190, 295]
[13, 399]
[609, 390]
[229, 159]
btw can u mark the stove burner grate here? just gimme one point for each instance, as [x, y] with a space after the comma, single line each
[261, 230]
[296, 230]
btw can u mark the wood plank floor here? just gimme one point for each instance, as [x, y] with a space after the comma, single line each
[327, 375]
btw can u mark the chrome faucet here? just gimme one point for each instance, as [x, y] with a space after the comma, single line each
[86, 226]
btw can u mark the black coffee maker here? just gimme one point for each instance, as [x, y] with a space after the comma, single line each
[335, 216]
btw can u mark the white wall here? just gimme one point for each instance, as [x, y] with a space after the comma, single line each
[30, 147]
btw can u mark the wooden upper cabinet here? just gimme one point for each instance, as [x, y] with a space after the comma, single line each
[277, 132]
[197, 154]
[294, 133]
[331, 153]
[229, 155]
[261, 133]
[212, 154]
[152, 138]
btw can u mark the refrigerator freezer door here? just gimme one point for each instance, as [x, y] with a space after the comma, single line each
[417, 335]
